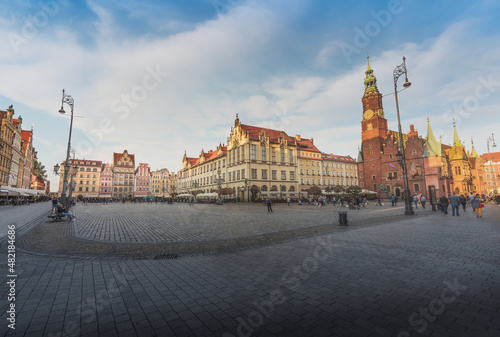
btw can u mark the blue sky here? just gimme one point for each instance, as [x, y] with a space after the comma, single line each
[162, 77]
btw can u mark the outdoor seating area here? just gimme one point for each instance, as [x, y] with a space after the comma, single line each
[12, 196]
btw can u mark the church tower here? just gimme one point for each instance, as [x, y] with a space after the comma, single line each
[373, 133]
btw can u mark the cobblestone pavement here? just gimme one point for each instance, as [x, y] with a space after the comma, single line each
[155, 230]
[386, 275]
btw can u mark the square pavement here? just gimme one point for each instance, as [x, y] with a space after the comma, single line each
[428, 274]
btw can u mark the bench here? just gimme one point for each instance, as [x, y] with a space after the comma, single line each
[57, 216]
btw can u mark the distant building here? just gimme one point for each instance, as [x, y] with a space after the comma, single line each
[28, 153]
[106, 184]
[432, 168]
[123, 175]
[260, 162]
[86, 176]
[492, 171]
[6, 138]
[142, 180]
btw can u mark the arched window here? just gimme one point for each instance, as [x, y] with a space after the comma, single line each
[283, 188]
[264, 188]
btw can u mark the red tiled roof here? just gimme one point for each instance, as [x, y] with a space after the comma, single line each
[116, 157]
[331, 156]
[495, 157]
[254, 132]
[26, 135]
[306, 145]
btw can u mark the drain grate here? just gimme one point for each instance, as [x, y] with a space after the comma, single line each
[166, 256]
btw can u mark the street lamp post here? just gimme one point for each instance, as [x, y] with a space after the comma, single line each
[400, 70]
[68, 100]
[219, 181]
[489, 140]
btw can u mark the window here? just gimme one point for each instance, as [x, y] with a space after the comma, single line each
[273, 154]
[264, 174]
[274, 174]
[292, 175]
[242, 153]
[238, 154]
[238, 175]
[414, 152]
[282, 155]
[416, 187]
[243, 174]
[291, 156]
[252, 152]
[263, 153]
[374, 177]
[283, 175]
[254, 173]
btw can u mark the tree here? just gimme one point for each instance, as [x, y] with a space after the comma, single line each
[39, 170]
[328, 189]
[254, 190]
[314, 190]
[338, 189]
[353, 190]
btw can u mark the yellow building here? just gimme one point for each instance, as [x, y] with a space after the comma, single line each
[460, 166]
[161, 184]
[260, 162]
[86, 178]
[338, 170]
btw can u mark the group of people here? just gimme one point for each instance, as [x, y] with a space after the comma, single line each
[455, 201]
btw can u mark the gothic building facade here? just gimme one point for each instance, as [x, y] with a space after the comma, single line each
[433, 168]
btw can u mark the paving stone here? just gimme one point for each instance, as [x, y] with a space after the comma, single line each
[378, 272]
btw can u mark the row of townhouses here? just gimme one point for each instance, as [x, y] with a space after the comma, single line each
[121, 179]
[17, 154]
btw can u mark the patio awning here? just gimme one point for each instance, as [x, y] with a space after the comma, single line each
[184, 195]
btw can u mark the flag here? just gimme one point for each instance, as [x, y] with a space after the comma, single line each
[393, 166]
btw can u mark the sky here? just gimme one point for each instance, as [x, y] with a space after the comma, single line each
[160, 78]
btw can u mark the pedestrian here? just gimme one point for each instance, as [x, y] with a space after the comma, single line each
[288, 201]
[415, 200]
[476, 204]
[471, 200]
[269, 204]
[463, 201]
[444, 203]
[54, 205]
[393, 199]
[422, 201]
[455, 203]
[64, 211]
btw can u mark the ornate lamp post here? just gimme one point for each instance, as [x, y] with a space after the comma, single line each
[400, 70]
[491, 139]
[219, 180]
[68, 100]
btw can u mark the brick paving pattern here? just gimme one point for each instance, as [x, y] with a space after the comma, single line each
[385, 275]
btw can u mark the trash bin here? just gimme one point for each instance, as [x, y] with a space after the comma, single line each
[343, 219]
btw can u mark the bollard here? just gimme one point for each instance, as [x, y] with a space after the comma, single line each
[343, 219]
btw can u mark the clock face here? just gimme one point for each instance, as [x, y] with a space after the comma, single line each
[368, 114]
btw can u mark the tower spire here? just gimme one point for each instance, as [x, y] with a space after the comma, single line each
[370, 79]
[432, 147]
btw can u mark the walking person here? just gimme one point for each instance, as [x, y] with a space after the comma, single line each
[463, 201]
[269, 205]
[476, 204]
[392, 199]
[422, 201]
[415, 200]
[288, 201]
[54, 205]
[444, 204]
[455, 203]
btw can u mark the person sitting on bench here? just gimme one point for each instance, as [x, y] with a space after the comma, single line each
[63, 211]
